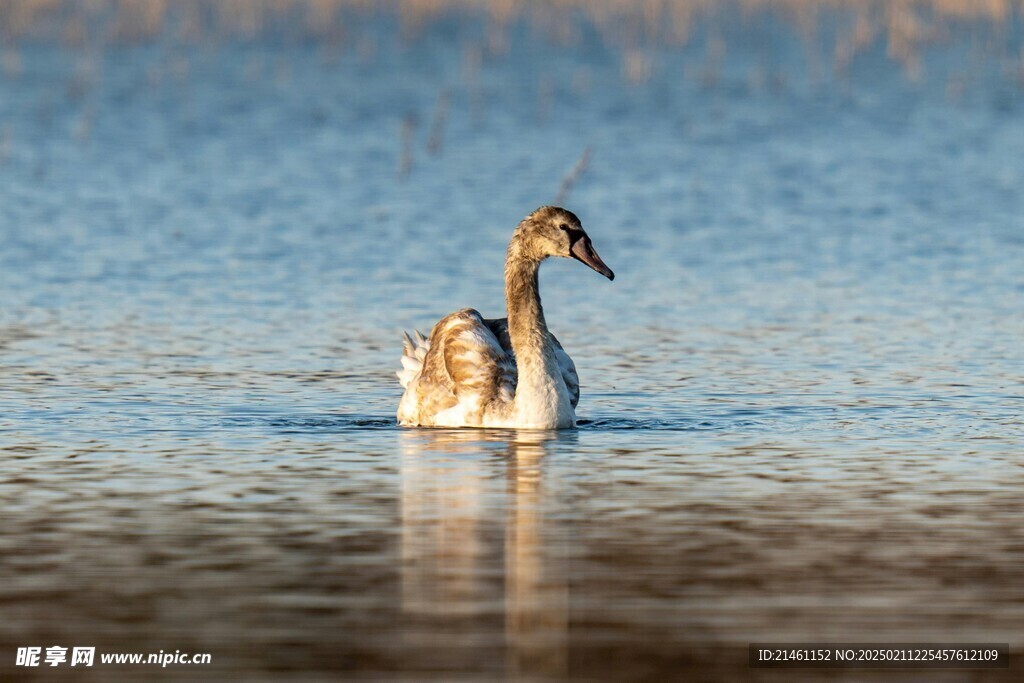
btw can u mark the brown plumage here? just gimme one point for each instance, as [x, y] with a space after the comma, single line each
[507, 372]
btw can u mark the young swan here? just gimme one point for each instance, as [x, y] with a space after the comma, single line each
[509, 372]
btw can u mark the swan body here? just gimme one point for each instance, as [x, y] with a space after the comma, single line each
[508, 372]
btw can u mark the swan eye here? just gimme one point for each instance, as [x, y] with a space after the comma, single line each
[564, 226]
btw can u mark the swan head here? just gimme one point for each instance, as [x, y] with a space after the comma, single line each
[554, 231]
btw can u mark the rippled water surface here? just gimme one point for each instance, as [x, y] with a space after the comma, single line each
[802, 394]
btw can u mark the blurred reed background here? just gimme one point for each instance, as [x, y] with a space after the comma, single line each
[984, 37]
[834, 32]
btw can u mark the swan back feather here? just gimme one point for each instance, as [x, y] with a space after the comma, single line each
[465, 378]
[465, 374]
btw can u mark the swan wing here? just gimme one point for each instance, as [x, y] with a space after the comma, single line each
[568, 368]
[465, 373]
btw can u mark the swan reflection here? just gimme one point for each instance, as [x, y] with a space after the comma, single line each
[483, 556]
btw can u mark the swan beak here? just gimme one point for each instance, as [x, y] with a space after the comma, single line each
[583, 250]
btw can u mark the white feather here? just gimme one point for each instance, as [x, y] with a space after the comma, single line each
[414, 351]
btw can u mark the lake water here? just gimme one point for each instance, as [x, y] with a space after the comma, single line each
[801, 396]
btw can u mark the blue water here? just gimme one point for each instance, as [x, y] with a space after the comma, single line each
[801, 397]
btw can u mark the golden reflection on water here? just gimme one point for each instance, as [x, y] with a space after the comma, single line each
[447, 519]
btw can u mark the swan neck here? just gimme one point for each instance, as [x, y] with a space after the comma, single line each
[527, 328]
[541, 398]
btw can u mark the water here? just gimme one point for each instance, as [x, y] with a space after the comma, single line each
[801, 395]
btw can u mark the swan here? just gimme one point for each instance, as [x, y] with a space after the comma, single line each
[508, 372]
